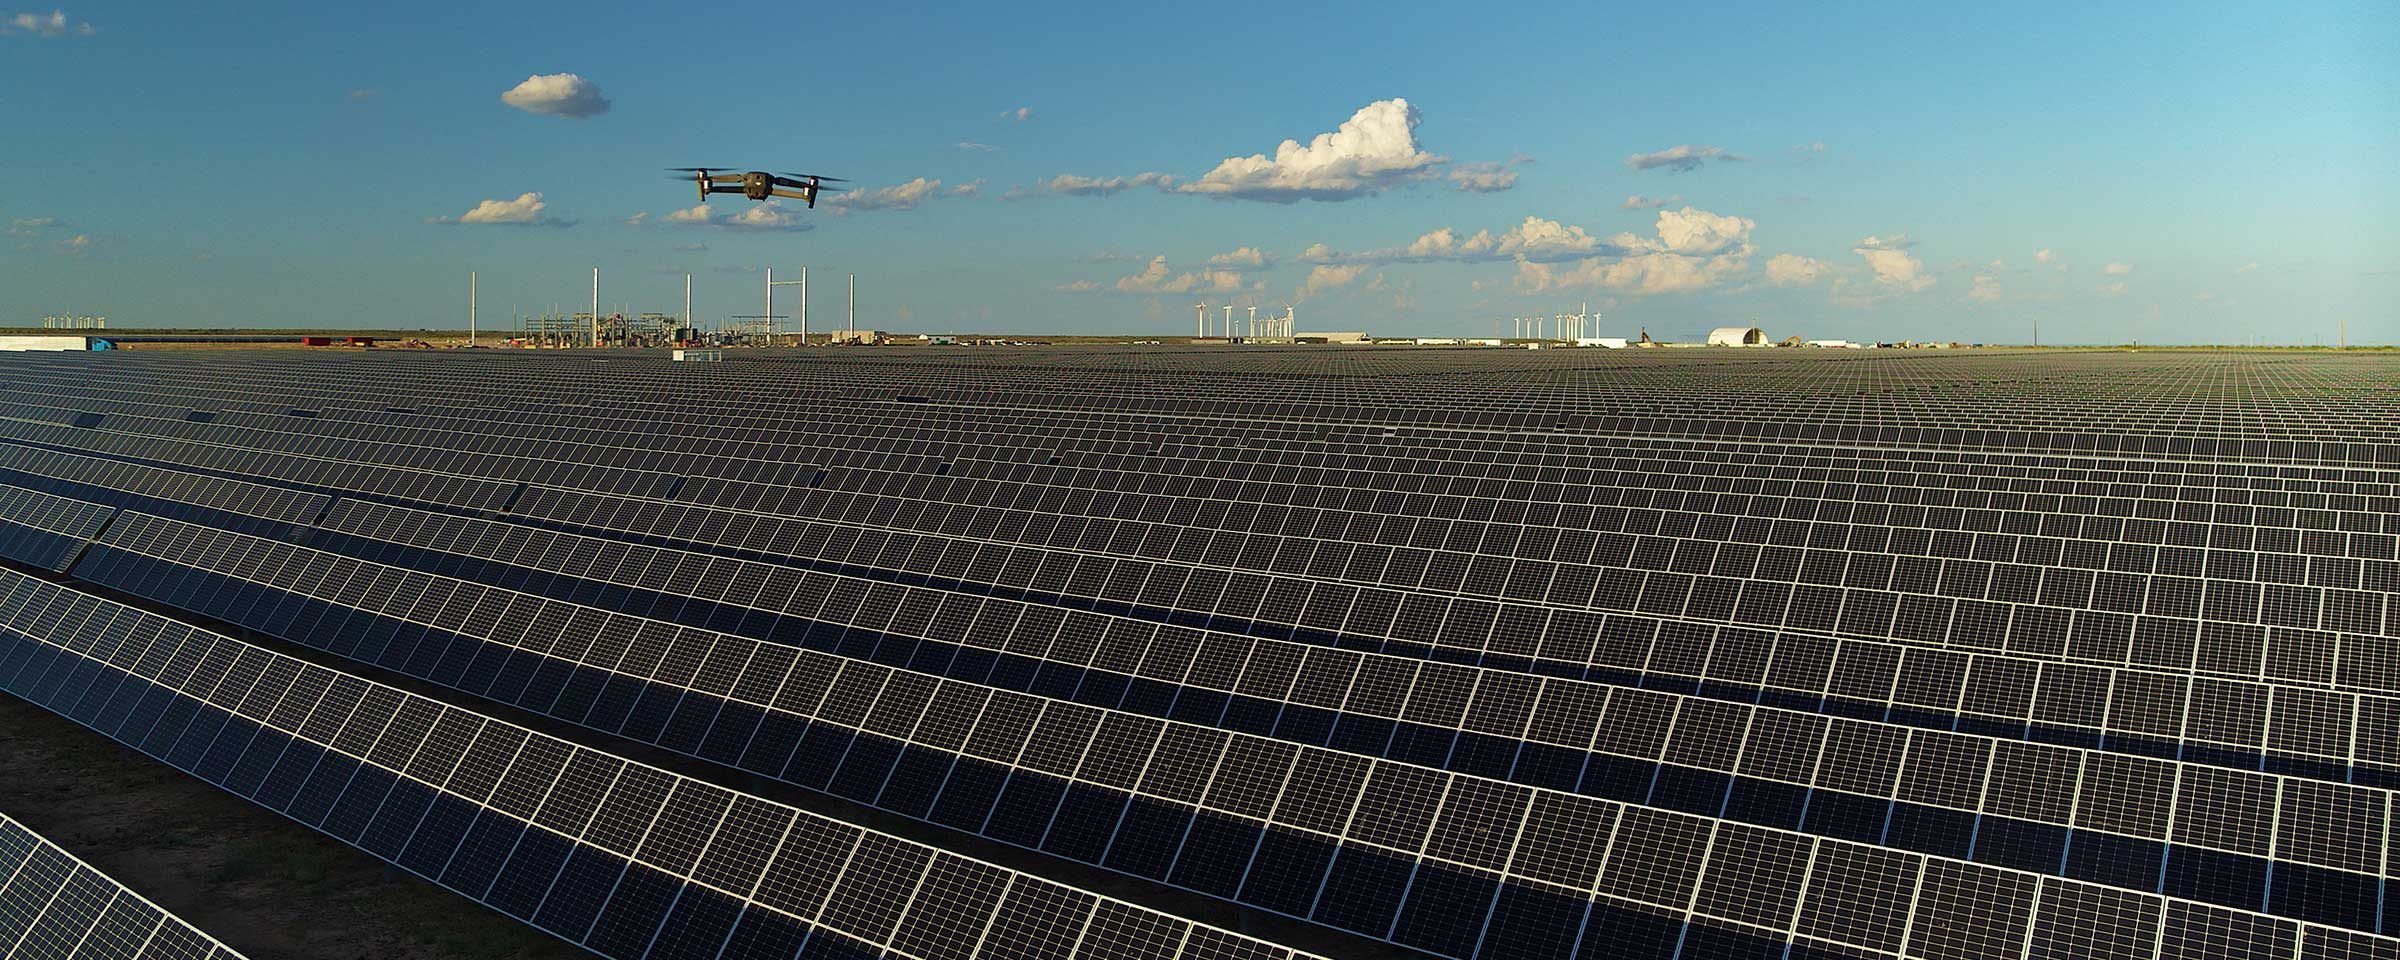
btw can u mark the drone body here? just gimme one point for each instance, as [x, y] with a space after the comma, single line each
[759, 184]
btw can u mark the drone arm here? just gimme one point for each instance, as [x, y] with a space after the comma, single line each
[808, 195]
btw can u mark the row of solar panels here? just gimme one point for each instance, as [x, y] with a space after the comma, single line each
[234, 598]
[2361, 659]
[2111, 430]
[1878, 395]
[2148, 707]
[624, 859]
[970, 435]
[2153, 706]
[1705, 760]
[2353, 533]
[54, 906]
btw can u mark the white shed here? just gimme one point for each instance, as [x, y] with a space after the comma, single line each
[1737, 337]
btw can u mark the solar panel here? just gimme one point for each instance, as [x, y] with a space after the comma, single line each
[617, 856]
[1639, 653]
[54, 906]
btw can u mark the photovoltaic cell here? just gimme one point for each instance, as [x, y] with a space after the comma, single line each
[53, 906]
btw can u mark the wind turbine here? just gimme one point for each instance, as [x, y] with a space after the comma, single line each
[1252, 326]
[1203, 308]
[1229, 321]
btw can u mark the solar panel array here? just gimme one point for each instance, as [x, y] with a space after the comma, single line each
[54, 906]
[1680, 654]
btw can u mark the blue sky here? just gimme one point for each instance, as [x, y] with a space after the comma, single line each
[2193, 172]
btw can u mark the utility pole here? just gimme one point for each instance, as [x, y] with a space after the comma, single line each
[470, 308]
[772, 283]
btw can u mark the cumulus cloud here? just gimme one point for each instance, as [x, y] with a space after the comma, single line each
[1639, 202]
[1894, 268]
[1682, 158]
[1073, 185]
[1326, 277]
[970, 188]
[45, 25]
[1242, 259]
[2049, 258]
[1079, 286]
[1018, 115]
[2117, 269]
[1375, 150]
[1156, 277]
[1692, 249]
[2246, 267]
[1794, 270]
[565, 95]
[2110, 290]
[526, 210]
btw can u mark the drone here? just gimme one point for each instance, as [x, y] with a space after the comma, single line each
[758, 184]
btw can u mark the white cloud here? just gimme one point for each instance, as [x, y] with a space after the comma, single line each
[1329, 277]
[1079, 286]
[526, 210]
[1242, 259]
[1639, 202]
[1536, 239]
[1018, 115]
[638, 219]
[1682, 158]
[34, 226]
[558, 95]
[970, 188]
[365, 93]
[978, 147]
[764, 216]
[2246, 267]
[2117, 269]
[1794, 270]
[1986, 289]
[1073, 185]
[1694, 249]
[74, 246]
[1895, 268]
[904, 196]
[1805, 152]
[2050, 258]
[45, 25]
[1156, 277]
[2110, 290]
[1376, 149]
[1487, 176]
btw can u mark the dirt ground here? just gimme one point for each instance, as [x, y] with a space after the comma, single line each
[266, 886]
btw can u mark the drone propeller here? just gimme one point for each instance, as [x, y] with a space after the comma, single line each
[697, 169]
[812, 176]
